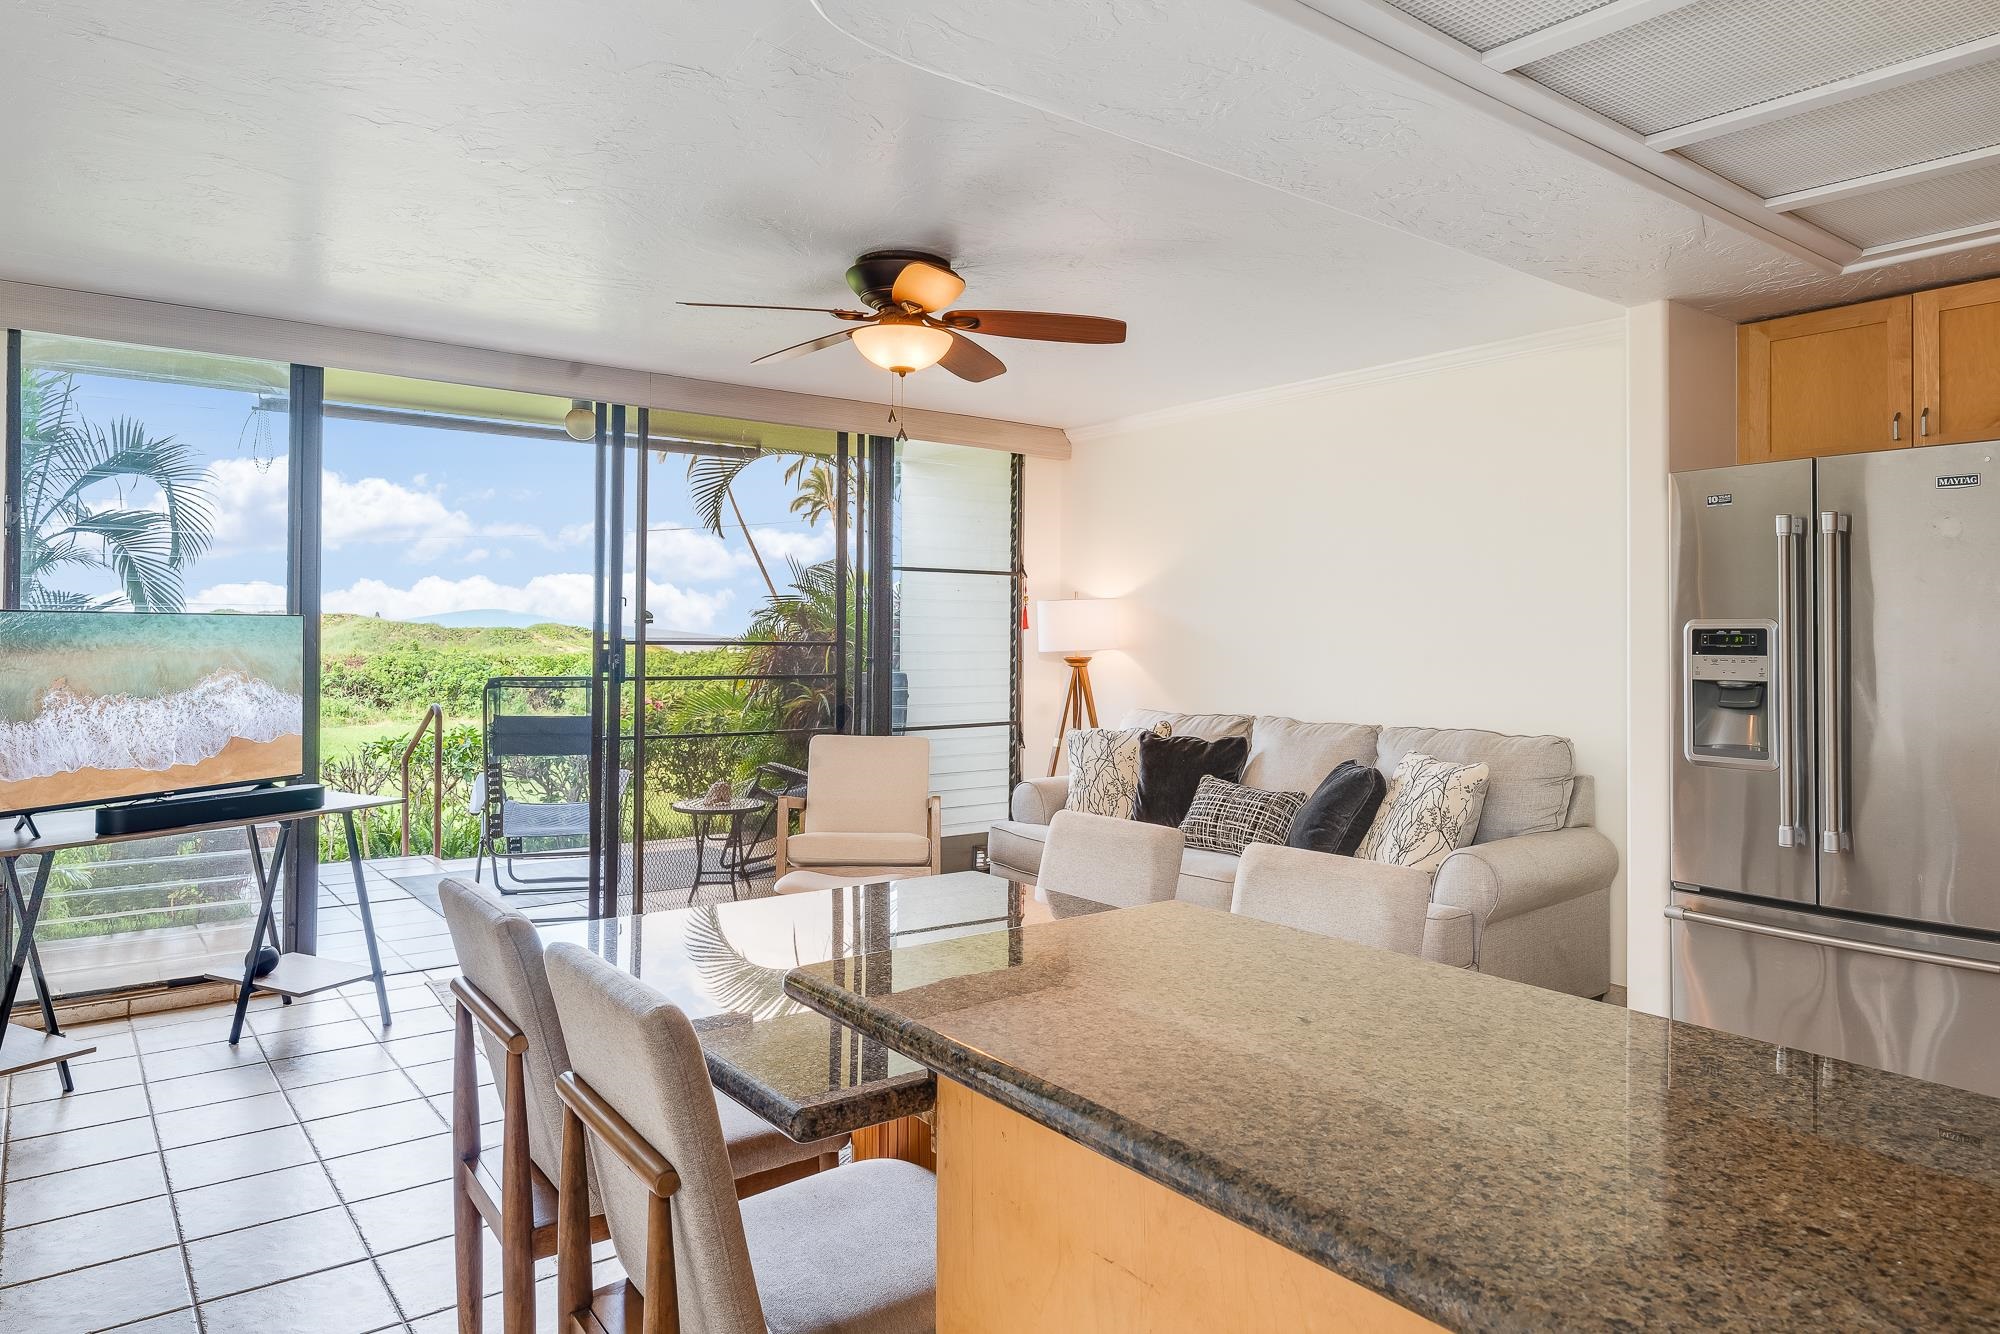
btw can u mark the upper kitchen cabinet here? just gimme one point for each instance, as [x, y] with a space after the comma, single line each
[1957, 335]
[1828, 382]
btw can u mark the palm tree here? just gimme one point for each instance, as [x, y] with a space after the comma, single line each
[814, 480]
[146, 547]
[711, 482]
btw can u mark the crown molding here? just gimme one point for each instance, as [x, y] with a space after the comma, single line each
[1597, 333]
[125, 319]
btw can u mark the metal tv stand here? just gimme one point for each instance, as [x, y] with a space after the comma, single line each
[24, 1048]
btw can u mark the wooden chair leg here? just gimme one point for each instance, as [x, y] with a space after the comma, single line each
[572, 1226]
[517, 1213]
[662, 1313]
[467, 1241]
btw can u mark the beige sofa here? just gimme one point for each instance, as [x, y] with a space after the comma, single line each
[1530, 899]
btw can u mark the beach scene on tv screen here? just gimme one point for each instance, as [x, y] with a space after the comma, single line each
[96, 706]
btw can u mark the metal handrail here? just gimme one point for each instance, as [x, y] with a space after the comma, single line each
[433, 720]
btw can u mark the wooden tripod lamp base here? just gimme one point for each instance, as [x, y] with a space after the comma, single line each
[1076, 628]
[1079, 705]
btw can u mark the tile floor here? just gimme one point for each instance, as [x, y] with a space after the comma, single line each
[297, 1182]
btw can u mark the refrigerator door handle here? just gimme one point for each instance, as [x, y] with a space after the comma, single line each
[1790, 738]
[1833, 630]
[1707, 917]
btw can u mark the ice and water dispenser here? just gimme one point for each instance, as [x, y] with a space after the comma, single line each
[1729, 676]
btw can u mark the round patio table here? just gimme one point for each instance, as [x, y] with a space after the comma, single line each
[733, 864]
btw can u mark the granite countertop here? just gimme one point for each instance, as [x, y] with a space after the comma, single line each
[1490, 1155]
[724, 964]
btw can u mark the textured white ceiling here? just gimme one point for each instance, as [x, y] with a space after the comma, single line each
[550, 179]
[1262, 204]
[1282, 92]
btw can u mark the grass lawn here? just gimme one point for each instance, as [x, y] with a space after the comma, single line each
[335, 741]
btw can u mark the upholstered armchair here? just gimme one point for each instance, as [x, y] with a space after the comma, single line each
[867, 813]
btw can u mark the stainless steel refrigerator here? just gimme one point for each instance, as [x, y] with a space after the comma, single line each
[1836, 795]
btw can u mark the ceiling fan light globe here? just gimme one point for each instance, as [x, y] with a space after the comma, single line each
[580, 422]
[902, 348]
[927, 286]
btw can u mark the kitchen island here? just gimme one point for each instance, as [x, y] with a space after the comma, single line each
[1173, 1118]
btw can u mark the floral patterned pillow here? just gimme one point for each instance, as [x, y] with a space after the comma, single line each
[1104, 769]
[1429, 812]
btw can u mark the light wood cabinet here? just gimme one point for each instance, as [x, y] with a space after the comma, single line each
[1956, 333]
[1828, 382]
[1908, 370]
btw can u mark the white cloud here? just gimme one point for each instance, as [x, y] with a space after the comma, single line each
[807, 547]
[689, 554]
[254, 595]
[555, 597]
[252, 508]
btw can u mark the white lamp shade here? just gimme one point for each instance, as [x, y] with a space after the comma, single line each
[1077, 626]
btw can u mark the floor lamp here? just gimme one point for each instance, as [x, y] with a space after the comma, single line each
[1075, 628]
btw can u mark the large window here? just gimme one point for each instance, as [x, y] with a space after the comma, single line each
[957, 623]
[751, 583]
[145, 479]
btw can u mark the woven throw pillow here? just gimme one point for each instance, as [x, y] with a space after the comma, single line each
[1430, 811]
[1228, 817]
[1104, 769]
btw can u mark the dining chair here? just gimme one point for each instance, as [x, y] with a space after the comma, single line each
[851, 1249]
[1312, 891]
[503, 993]
[1124, 863]
[867, 813]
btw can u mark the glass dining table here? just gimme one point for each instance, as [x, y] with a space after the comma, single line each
[724, 964]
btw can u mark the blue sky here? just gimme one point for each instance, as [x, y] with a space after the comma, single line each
[422, 522]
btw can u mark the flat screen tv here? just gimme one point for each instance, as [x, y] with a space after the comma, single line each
[101, 706]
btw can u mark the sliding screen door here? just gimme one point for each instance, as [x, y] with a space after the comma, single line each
[955, 668]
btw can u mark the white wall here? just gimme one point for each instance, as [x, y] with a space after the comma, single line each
[1439, 543]
[1044, 678]
[1681, 371]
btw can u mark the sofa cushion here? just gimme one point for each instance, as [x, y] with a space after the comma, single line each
[1171, 767]
[1208, 726]
[1287, 755]
[1337, 816]
[1104, 770]
[1208, 879]
[1431, 811]
[1017, 846]
[1529, 778]
[1228, 817]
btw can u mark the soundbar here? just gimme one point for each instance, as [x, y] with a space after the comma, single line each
[208, 808]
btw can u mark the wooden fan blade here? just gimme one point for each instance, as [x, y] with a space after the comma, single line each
[816, 310]
[969, 361]
[926, 286]
[810, 345]
[1039, 324]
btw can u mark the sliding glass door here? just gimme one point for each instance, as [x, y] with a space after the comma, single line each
[734, 587]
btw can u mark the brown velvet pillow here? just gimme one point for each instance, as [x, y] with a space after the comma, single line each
[1172, 767]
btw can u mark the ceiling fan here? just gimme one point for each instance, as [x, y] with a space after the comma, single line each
[908, 326]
